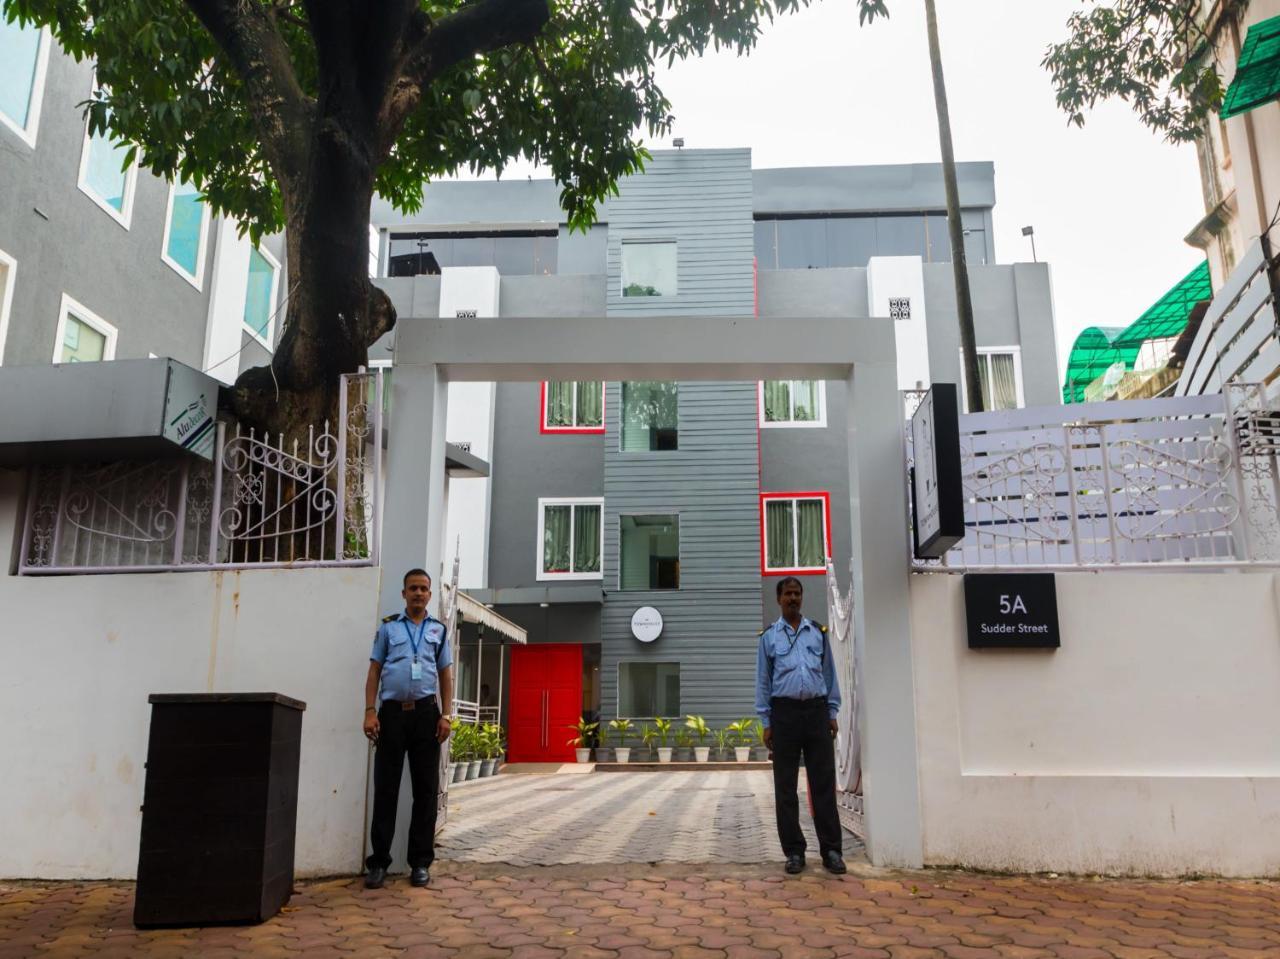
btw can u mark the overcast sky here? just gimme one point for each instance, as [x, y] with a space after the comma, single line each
[1110, 203]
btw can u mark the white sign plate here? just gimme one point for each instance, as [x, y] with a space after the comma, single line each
[646, 624]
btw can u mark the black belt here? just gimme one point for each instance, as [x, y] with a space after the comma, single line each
[786, 702]
[409, 705]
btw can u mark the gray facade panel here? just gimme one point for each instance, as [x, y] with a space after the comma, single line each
[581, 252]
[906, 186]
[786, 293]
[1037, 334]
[64, 242]
[450, 203]
[576, 295]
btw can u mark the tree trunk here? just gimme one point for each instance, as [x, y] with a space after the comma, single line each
[333, 312]
[959, 261]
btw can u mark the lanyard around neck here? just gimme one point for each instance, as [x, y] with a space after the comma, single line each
[415, 643]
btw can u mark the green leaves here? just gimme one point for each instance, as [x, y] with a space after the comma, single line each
[1152, 54]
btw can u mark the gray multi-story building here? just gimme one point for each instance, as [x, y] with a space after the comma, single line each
[98, 262]
[638, 530]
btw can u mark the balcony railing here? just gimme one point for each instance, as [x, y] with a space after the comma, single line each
[260, 502]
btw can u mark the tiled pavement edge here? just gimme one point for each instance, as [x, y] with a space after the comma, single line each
[679, 912]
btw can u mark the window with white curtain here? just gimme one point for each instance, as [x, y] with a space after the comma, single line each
[24, 57]
[795, 532]
[1000, 374]
[793, 403]
[572, 407]
[570, 538]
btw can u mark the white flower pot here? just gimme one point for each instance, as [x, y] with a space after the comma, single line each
[702, 753]
[584, 755]
[459, 772]
[742, 753]
[488, 767]
[622, 754]
[664, 754]
[473, 769]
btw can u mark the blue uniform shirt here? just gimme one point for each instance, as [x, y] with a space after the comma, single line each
[795, 664]
[393, 649]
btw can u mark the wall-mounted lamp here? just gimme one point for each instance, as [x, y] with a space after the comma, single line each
[1031, 232]
[678, 143]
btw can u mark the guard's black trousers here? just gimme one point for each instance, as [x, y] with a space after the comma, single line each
[402, 732]
[801, 727]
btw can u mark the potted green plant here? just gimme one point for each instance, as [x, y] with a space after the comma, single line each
[647, 737]
[697, 726]
[684, 746]
[721, 736]
[581, 742]
[460, 745]
[622, 727]
[662, 736]
[742, 731]
[759, 751]
[491, 747]
[604, 753]
[473, 754]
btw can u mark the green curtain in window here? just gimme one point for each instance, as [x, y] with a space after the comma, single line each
[812, 543]
[590, 404]
[777, 401]
[559, 403]
[555, 539]
[806, 400]
[1004, 386]
[779, 534]
[586, 535]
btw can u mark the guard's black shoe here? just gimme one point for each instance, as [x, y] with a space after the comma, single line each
[832, 861]
[794, 864]
[375, 877]
[419, 876]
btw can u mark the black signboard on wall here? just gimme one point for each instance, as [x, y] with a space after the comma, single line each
[1011, 610]
[937, 488]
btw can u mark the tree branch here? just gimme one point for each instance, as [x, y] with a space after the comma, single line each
[476, 28]
[259, 56]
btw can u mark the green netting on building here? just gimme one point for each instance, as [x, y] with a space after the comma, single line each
[1257, 79]
[1097, 349]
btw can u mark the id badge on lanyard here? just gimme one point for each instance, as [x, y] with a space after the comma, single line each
[415, 670]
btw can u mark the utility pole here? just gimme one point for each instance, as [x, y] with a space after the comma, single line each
[964, 301]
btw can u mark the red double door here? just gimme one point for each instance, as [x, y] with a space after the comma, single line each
[546, 702]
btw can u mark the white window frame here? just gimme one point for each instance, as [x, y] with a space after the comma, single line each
[543, 503]
[28, 133]
[6, 297]
[622, 266]
[795, 569]
[820, 422]
[1016, 351]
[275, 293]
[124, 216]
[202, 246]
[88, 318]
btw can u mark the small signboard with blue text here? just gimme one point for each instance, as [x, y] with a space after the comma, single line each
[190, 409]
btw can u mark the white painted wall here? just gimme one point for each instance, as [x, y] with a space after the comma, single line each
[80, 654]
[470, 421]
[1146, 744]
[893, 277]
[226, 301]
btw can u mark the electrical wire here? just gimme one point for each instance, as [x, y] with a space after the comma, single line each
[271, 318]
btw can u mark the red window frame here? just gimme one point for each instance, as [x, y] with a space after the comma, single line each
[826, 511]
[567, 430]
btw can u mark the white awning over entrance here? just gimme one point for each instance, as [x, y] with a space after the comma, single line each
[473, 611]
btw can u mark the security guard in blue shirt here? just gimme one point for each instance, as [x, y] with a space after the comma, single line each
[410, 665]
[798, 699]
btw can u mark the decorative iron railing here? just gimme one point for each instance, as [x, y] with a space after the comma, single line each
[1181, 481]
[260, 502]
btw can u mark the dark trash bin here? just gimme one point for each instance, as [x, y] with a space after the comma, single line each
[220, 808]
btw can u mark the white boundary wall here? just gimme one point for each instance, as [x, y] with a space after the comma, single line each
[80, 654]
[1149, 743]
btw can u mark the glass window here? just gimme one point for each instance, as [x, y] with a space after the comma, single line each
[571, 539]
[900, 236]
[649, 552]
[650, 413]
[83, 337]
[793, 402]
[851, 241]
[795, 532]
[519, 253]
[766, 244]
[185, 231]
[104, 177]
[649, 268]
[648, 690]
[259, 296]
[573, 407]
[802, 244]
[19, 74]
[1000, 373]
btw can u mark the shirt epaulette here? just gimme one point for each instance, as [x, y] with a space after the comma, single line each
[763, 631]
[391, 618]
[822, 629]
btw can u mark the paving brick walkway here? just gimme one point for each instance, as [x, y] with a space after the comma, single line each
[707, 817]
[673, 912]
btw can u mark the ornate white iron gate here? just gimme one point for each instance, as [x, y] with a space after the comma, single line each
[259, 503]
